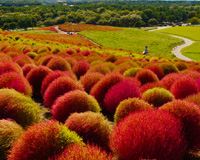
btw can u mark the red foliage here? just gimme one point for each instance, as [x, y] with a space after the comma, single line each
[10, 67]
[59, 87]
[147, 86]
[58, 63]
[125, 89]
[198, 82]
[156, 69]
[73, 101]
[26, 68]
[100, 89]
[101, 68]
[189, 114]
[184, 87]
[35, 77]
[23, 59]
[94, 128]
[51, 28]
[42, 140]
[146, 76]
[169, 79]
[80, 68]
[195, 98]
[193, 74]
[148, 135]
[80, 152]
[16, 81]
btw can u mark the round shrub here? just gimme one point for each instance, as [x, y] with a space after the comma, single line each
[122, 67]
[189, 114]
[101, 87]
[32, 54]
[198, 82]
[52, 76]
[148, 135]
[131, 72]
[59, 87]
[43, 140]
[157, 96]
[9, 132]
[195, 98]
[35, 77]
[23, 59]
[130, 105]
[90, 79]
[18, 107]
[94, 128]
[146, 76]
[59, 63]
[110, 65]
[26, 68]
[184, 87]
[101, 68]
[73, 101]
[80, 152]
[169, 79]
[80, 68]
[156, 69]
[193, 74]
[110, 58]
[127, 88]
[70, 51]
[168, 68]
[10, 67]
[42, 50]
[43, 60]
[16, 81]
[181, 65]
[71, 60]
[147, 86]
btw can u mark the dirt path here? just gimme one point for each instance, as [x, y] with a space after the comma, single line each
[177, 50]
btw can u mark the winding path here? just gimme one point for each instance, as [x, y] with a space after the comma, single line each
[177, 50]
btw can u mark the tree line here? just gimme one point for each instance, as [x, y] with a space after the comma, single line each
[112, 14]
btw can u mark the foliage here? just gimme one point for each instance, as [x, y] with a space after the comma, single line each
[43, 140]
[148, 135]
[168, 67]
[73, 101]
[80, 68]
[94, 128]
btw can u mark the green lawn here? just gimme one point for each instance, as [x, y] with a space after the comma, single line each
[192, 51]
[135, 40]
[190, 32]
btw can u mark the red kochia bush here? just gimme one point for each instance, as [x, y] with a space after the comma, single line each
[125, 89]
[26, 68]
[10, 67]
[43, 140]
[16, 81]
[147, 86]
[35, 78]
[59, 63]
[23, 59]
[101, 68]
[169, 79]
[156, 69]
[9, 132]
[128, 106]
[73, 101]
[157, 96]
[101, 87]
[184, 87]
[80, 68]
[94, 128]
[195, 98]
[148, 135]
[146, 76]
[80, 152]
[189, 114]
[59, 87]
[90, 79]
[50, 78]
[198, 82]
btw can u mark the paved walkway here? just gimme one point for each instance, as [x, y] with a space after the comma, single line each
[177, 50]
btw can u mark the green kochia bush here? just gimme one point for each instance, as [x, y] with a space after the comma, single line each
[42, 141]
[128, 106]
[18, 107]
[168, 68]
[189, 114]
[94, 128]
[157, 96]
[131, 72]
[80, 152]
[9, 132]
[73, 101]
[148, 135]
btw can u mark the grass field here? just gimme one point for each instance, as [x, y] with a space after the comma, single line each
[135, 40]
[192, 51]
[191, 32]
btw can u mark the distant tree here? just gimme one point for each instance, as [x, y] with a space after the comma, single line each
[194, 20]
[13, 25]
[153, 22]
[192, 14]
[171, 18]
[140, 24]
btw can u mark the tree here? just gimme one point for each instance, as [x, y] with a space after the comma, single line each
[194, 20]
[153, 22]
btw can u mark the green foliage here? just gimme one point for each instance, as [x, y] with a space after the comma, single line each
[135, 40]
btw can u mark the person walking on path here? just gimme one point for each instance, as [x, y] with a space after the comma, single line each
[145, 51]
